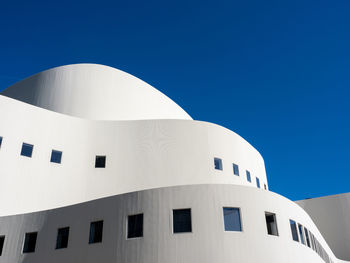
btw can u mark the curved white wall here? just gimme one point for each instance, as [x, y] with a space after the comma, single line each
[140, 155]
[96, 92]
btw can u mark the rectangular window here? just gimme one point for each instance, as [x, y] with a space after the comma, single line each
[0, 141]
[56, 156]
[29, 242]
[307, 237]
[100, 161]
[218, 163]
[96, 230]
[301, 234]
[293, 228]
[257, 182]
[62, 238]
[2, 241]
[27, 150]
[135, 226]
[182, 220]
[265, 187]
[232, 219]
[235, 169]
[271, 224]
[249, 179]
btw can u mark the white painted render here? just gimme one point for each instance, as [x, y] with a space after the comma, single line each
[157, 159]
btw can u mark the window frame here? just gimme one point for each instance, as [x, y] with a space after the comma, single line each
[173, 222]
[95, 222]
[127, 226]
[234, 170]
[24, 144]
[275, 222]
[97, 164]
[296, 230]
[221, 165]
[3, 238]
[240, 219]
[249, 176]
[58, 231]
[52, 155]
[24, 242]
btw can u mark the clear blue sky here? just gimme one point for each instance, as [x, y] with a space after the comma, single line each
[275, 72]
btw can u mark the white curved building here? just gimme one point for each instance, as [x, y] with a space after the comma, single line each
[97, 165]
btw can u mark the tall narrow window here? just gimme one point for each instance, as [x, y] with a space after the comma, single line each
[271, 224]
[96, 231]
[135, 226]
[2, 241]
[235, 169]
[307, 237]
[29, 242]
[218, 163]
[301, 234]
[249, 179]
[182, 220]
[27, 150]
[62, 238]
[100, 161]
[0, 141]
[232, 219]
[257, 182]
[293, 228]
[265, 187]
[56, 156]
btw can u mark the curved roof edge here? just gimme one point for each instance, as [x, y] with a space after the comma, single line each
[96, 92]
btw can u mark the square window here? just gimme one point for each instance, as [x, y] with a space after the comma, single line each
[218, 163]
[2, 241]
[293, 228]
[30, 242]
[62, 238]
[182, 220]
[100, 161]
[249, 179]
[257, 182]
[235, 169]
[56, 156]
[27, 150]
[96, 229]
[271, 224]
[135, 226]
[0, 141]
[232, 219]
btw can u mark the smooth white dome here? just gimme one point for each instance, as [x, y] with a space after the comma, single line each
[95, 92]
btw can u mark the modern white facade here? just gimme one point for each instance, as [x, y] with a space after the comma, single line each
[97, 165]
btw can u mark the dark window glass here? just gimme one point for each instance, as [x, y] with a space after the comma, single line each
[2, 241]
[135, 226]
[0, 141]
[218, 163]
[235, 169]
[96, 229]
[257, 182]
[293, 228]
[249, 179]
[232, 219]
[62, 238]
[265, 187]
[27, 150]
[100, 162]
[301, 234]
[271, 224]
[307, 237]
[30, 242]
[182, 220]
[56, 156]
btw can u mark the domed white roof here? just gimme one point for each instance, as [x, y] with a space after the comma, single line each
[95, 92]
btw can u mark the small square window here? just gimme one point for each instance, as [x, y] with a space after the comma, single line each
[96, 230]
[293, 228]
[27, 150]
[271, 224]
[182, 220]
[249, 179]
[100, 161]
[2, 241]
[56, 156]
[257, 182]
[235, 169]
[135, 226]
[0, 141]
[62, 238]
[232, 219]
[218, 163]
[30, 242]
